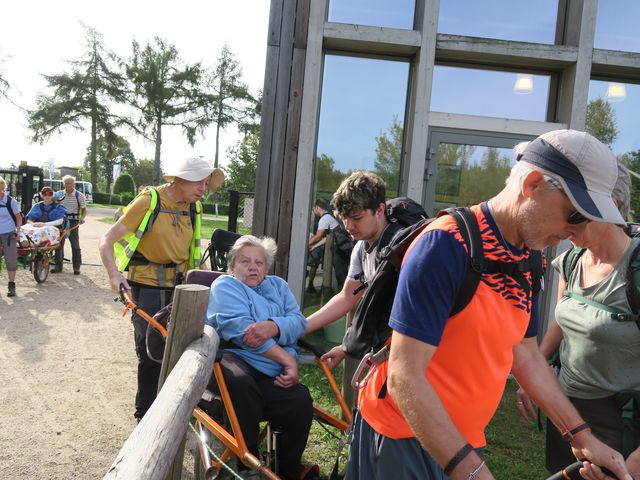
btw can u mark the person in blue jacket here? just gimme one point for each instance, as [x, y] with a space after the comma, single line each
[46, 210]
[259, 322]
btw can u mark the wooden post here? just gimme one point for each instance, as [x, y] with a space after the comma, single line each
[187, 323]
[149, 451]
[327, 270]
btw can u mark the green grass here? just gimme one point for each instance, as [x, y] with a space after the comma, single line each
[515, 448]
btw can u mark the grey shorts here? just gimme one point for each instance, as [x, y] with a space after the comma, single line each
[9, 250]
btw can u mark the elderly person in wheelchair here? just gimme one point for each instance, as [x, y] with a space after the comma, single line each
[259, 323]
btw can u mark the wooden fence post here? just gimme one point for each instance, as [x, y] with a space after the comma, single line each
[149, 452]
[187, 322]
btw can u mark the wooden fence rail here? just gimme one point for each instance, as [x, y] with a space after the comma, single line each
[150, 450]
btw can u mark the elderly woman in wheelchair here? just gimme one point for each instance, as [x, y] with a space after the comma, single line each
[259, 323]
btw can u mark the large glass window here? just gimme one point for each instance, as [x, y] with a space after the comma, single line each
[612, 117]
[490, 93]
[361, 119]
[361, 127]
[519, 20]
[378, 13]
[617, 25]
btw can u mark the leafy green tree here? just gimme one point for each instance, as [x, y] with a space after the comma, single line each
[111, 149]
[453, 160]
[388, 156]
[230, 100]
[328, 178]
[85, 94]
[124, 184]
[166, 92]
[601, 121]
[142, 172]
[631, 160]
[240, 172]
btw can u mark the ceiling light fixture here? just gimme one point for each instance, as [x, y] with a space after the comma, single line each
[523, 85]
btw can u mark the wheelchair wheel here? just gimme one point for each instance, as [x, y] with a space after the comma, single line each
[40, 267]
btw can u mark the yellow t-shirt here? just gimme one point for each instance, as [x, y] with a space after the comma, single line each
[167, 242]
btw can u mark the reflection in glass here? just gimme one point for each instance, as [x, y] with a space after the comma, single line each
[470, 174]
[489, 93]
[614, 123]
[377, 13]
[361, 120]
[617, 25]
[502, 19]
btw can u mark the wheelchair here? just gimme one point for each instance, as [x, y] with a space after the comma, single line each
[219, 439]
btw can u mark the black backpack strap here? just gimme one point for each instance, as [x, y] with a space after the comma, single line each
[570, 262]
[12, 214]
[470, 231]
[385, 239]
[633, 281]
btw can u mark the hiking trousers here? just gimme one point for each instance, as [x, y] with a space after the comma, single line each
[150, 300]
[375, 457]
[76, 253]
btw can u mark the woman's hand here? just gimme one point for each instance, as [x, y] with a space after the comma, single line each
[258, 333]
[334, 356]
[289, 375]
[525, 405]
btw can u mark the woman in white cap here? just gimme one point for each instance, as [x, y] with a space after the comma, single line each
[595, 336]
[156, 240]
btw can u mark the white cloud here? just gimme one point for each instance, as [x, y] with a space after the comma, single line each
[40, 35]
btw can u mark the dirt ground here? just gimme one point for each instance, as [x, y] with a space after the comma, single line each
[67, 371]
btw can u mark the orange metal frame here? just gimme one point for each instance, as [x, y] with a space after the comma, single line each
[234, 440]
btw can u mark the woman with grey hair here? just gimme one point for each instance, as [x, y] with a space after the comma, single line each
[259, 321]
[599, 353]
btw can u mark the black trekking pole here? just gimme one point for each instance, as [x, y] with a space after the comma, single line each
[572, 472]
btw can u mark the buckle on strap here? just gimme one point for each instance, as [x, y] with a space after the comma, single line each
[371, 360]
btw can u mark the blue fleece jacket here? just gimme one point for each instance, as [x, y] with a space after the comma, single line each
[233, 306]
[55, 211]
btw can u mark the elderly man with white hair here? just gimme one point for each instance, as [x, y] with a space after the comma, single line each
[156, 241]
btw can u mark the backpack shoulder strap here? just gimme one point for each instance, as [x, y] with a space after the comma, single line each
[9, 208]
[155, 198]
[570, 262]
[470, 231]
[633, 280]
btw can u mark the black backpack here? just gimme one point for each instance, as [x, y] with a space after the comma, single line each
[341, 239]
[370, 329]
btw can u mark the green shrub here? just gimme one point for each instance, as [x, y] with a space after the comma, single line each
[124, 184]
[106, 198]
[126, 197]
[209, 208]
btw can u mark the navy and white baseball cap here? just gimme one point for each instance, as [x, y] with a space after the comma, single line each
[584, 166]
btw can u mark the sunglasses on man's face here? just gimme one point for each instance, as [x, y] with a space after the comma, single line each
[47, 194]
[576, 218]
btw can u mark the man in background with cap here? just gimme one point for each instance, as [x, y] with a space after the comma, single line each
[423, 413]
[76, 206]
[156, 251]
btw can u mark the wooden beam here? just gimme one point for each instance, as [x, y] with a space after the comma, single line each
[371, 40]
[491, 124]
[503, 53]
[149, 451]
[306, 148]
[622, 66]
[418, 101]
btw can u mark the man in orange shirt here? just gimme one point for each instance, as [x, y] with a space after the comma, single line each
[423, 413]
